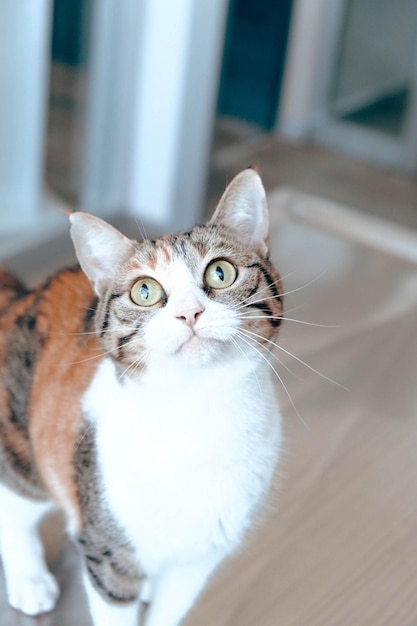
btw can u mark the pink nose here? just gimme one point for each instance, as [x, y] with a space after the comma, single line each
[190, 316]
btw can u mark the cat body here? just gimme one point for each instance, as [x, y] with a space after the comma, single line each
[142, 409]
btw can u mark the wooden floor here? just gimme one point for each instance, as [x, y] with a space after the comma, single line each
[310, 168]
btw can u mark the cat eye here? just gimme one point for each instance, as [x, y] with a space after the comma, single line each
[146, 292]
[220, 274]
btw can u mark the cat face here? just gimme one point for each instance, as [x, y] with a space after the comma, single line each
[192, 296]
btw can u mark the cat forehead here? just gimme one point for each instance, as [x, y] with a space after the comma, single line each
[173, 274]
[195, 247]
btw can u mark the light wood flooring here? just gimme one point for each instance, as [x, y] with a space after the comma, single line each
[316, 170]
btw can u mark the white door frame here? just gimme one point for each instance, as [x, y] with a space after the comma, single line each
[24, 74]
[155, 68]
[305, 113]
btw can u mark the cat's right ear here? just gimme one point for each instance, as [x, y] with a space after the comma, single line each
[100, 248]
[243, 208]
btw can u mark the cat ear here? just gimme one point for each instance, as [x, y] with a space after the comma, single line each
[243, 207]
[100, 248]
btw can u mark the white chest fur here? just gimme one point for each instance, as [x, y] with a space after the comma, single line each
[186, 454]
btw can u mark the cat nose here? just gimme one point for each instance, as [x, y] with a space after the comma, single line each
[191, 315]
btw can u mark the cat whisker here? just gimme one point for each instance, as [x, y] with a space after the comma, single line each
[288, 275]
[288, 319]
[90, 332]
[294, 308]
[307, 284]
[289, 370]
[101, 354]
[252, 303]
[235, 342]
[242, 338]
[84, 435]
[274, 283]
[243, 304]
[310, 367]
[142, 230]
[135, 365]
[280, 280]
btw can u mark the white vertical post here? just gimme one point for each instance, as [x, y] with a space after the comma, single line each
[160, 95]
[24, 72]
[192, 163]
[313, 24]
[176, 84]
[155, 67]
[115, 39]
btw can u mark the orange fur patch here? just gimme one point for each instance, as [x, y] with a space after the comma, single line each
[64, 370]
[13, 438]
[166, 251]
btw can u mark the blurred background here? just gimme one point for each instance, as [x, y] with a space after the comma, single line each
[145, 110]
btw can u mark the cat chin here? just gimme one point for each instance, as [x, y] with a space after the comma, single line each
[198, 350]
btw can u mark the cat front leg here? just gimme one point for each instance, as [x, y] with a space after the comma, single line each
[106, 612]
[112, 577]
[31, 588]
[176, 588]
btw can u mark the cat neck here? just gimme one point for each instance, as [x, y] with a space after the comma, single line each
[169, 386]
[171, 372]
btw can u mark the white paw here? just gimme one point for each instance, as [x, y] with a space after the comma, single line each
[33, 595]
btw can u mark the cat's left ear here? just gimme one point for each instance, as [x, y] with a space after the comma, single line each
[243, 208]
[100, 248]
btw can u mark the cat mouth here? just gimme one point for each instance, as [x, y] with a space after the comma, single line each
[195, 341]
[201, 348]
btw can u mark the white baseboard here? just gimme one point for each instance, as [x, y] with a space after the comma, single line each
[345, 222]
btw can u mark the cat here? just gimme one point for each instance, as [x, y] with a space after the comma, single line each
[136, 395]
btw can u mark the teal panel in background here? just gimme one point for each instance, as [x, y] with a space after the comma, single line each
[253, 60]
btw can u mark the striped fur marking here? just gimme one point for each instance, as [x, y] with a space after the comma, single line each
[109, 558]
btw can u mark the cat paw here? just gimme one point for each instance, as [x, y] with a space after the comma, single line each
[34, 595]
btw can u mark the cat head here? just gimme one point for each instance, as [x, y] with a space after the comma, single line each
[195, 295]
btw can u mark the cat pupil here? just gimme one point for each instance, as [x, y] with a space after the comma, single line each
[144, 290]
[220, 273]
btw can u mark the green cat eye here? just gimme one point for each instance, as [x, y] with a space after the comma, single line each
[146, 292]
[220, 274]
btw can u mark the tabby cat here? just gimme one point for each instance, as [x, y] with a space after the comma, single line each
[136, 395]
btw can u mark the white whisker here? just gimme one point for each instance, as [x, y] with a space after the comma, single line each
[85, 433]
[142, 229]
[288, 319]
[284, 294]
[90, 332]
[235, 342]
[98, 356]
[278, 377]
[253, 303]
[243, 303]
[135, 364]
[330, 380]
[289, 370]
